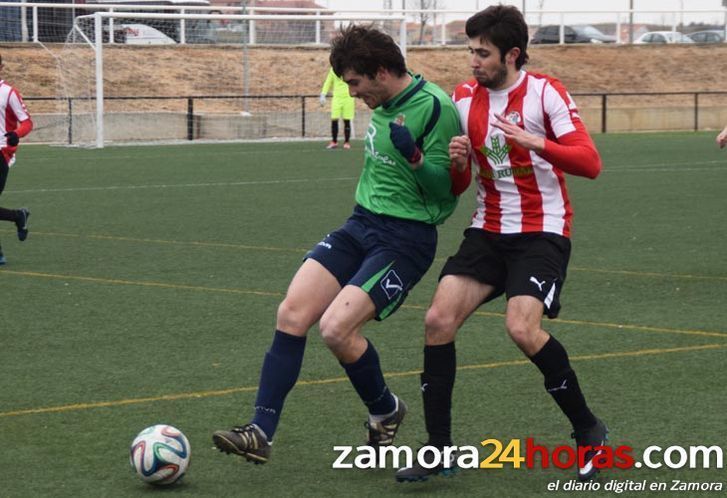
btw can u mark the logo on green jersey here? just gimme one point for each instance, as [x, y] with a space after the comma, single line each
[498, 153]
[370, 148]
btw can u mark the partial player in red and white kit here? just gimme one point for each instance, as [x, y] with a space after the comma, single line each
[523, 139]
[722, 138]
[523, 134]
[15, 123]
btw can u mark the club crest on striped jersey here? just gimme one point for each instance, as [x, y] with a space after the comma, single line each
[513, 117]
[496, 153]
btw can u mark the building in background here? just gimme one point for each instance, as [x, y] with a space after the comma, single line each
[275, 32]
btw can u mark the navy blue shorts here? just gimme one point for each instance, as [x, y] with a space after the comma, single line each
[382, 255]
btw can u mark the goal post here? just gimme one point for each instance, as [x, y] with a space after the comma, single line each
[98, 54]
[216, 101]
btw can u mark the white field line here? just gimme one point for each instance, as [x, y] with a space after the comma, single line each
[181, 185]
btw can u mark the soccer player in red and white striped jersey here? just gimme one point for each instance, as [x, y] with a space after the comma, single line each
[523, 134]
[15, 123]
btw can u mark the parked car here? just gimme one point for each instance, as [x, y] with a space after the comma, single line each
[709, 36]
[141, 34]
[579, 33]
[663, 37]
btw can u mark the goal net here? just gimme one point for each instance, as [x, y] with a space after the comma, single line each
[145, 77]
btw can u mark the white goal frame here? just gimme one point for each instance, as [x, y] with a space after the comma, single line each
[97, 46]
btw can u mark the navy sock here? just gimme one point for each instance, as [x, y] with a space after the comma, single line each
[278, 376]
[368, 380]
[562, 384]
[8, 214]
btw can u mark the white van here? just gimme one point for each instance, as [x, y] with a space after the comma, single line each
[141, 34]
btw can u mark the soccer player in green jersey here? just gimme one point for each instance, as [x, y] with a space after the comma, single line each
[365, 269]
[342, 106]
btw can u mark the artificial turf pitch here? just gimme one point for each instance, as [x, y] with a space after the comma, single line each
[147, 289]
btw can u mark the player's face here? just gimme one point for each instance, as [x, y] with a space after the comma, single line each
[371, 90]
[487, 66]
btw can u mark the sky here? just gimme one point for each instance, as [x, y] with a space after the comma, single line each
[534, 5]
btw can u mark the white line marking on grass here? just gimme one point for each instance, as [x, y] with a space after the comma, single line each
[246, 247]
[199, 288]
[180, 185]
[681, 166]
[339, 380]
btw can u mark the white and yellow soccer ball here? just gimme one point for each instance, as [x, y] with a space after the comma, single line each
[160, 454]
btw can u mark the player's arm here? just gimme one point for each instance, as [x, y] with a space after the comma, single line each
[574, 153]
[328, 83]
[573, 150]
[431, 167]
[460, 170]
[433, 178]
[25, 124]
[24, 127]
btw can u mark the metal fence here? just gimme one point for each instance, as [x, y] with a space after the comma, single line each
[603, 112]
[52, 22]
[694, 104]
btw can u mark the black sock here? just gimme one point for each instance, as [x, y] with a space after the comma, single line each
[440, 368]
[9, 214]
[334, 130]
[367, 378]
[347, 129]
[278, 376]
[562, 384]
[4, 170]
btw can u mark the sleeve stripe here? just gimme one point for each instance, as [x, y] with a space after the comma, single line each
[436, 112]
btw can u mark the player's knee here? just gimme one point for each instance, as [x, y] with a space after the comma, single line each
[521, 332]
[440, 326]
[294, 318]
[333, 332]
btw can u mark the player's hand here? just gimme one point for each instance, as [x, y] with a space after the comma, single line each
[404, 143]
[12, 138]
[460, 148]
[323, 99]
[516, 134]
[722, 138]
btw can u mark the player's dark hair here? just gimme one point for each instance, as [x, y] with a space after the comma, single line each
[365, 50]
[504, 27]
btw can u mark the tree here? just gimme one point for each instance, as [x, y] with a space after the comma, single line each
[424, 16]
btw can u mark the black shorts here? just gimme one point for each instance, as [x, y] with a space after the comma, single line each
[523, 264]
[4, 170]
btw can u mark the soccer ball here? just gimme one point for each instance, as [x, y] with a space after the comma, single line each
[160, 454]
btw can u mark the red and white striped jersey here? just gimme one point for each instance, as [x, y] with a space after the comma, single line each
[519, 190]
[12, 113]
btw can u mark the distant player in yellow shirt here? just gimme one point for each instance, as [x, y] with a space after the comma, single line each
[342, 106]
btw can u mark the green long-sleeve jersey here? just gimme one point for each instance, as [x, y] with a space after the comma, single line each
[388, 185]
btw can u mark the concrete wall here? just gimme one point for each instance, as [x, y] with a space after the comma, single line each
[626, 119]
